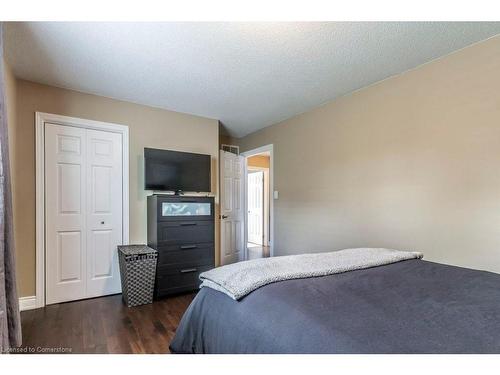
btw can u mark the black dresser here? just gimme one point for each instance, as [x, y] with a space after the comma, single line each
[182, 229]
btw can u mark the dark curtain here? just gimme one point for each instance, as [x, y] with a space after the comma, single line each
[10, 321]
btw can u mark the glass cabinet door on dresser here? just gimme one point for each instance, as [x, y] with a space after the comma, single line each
[186, 209]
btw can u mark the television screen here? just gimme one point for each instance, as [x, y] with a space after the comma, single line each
[176, 171]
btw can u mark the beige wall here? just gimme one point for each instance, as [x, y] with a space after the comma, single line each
[260, 161]
[148, 127]
[410, 163]
[225, 139]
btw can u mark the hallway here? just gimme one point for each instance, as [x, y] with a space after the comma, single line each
[256, 251]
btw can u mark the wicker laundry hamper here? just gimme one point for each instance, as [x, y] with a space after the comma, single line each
[137, 271]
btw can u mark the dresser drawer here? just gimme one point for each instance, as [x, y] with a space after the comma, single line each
[166, 269]
[185, 232]
[193, 253]
[173, 280]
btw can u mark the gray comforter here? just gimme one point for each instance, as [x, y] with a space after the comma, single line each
[413, 306]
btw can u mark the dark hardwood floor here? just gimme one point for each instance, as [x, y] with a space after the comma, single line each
[103, 325]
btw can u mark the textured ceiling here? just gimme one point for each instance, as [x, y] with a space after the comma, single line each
[247, 75]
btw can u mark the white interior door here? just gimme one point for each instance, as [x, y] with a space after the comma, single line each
[83, 208]
[65, 203]
[232, 208]
[256, 207]
[104, 212]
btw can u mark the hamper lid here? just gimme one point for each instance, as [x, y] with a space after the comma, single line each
[136, 249]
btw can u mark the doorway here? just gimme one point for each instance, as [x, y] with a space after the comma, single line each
[235, 244]
[258, 214]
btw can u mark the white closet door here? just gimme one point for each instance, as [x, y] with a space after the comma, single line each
[65, 204]
[104, 211]
[83, 205]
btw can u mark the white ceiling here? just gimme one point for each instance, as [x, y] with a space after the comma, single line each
[247, 75]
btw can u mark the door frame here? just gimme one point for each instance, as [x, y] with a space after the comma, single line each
[246, 155]
[40, 119]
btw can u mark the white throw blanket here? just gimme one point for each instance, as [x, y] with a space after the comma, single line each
[239, 279]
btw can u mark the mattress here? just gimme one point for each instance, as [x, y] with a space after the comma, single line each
[412, 306]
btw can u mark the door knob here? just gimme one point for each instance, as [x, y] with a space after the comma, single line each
[224, 217]
[102, 222]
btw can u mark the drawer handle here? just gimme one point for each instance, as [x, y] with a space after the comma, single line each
[189, 270]
[186, 224]
[185, 247]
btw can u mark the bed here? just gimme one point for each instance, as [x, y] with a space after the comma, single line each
[410, 306]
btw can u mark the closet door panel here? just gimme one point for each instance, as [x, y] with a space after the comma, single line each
[65, 205]
[104, 211]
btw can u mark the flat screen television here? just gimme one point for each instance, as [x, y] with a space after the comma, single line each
[177, 171]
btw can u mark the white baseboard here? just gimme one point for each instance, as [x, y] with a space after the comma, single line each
[27, 303]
